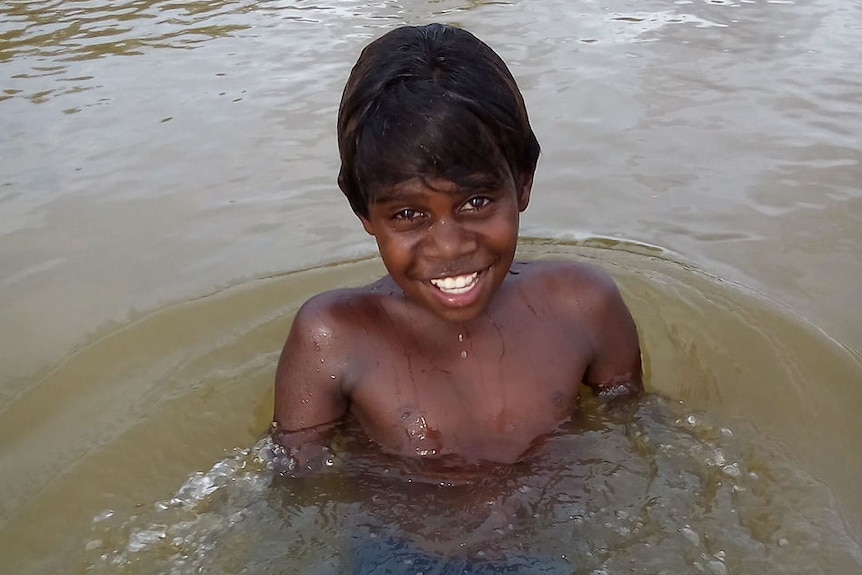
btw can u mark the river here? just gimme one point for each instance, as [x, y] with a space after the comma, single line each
[166, 167]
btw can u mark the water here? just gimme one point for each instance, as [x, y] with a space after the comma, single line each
[674, 474]
[159, 160]
[653, 489]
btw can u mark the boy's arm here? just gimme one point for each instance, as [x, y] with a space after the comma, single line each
[615, 370]
[308, 394]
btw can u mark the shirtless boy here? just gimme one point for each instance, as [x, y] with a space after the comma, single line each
[458, 351]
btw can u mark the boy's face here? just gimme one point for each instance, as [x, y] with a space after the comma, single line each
[447, 247]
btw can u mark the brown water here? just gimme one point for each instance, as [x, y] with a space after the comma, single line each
[153, 153]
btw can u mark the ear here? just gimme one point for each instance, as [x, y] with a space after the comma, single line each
[366, 223]
[524, 192]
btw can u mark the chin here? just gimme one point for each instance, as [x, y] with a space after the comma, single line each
[460, 315]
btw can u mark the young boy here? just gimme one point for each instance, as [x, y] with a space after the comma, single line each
[458, 351]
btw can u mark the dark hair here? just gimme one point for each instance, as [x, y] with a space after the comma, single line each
[431, 102]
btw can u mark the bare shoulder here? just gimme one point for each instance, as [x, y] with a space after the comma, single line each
[335, 312]
[589, 297]
[572, 287]
[346, 309]
[321, 356]
[329, 326]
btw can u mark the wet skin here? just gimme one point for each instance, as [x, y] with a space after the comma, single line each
[476, 366]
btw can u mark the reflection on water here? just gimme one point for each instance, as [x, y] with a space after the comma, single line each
[702, 478]
[50, 34]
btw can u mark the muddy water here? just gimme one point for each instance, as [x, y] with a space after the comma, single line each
[155, 153]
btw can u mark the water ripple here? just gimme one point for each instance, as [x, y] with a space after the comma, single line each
[80, 30]
[42, 39]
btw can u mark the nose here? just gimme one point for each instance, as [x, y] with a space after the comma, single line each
[447, 239]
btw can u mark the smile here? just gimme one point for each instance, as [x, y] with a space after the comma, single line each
[456, 285]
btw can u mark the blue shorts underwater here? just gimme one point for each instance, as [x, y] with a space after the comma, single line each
[391, 555]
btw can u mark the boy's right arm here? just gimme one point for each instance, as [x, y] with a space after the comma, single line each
[308, 384]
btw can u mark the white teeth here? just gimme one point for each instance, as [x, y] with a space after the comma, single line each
[456, 285]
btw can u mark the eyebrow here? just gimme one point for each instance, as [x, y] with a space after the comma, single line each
[389, 196]
[395, 193]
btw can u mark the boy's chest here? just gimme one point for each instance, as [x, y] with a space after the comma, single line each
[481, 401]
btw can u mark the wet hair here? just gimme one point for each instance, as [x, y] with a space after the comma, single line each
[431, 102]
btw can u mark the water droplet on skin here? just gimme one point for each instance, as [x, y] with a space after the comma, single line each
[463, 354]
[417, 429]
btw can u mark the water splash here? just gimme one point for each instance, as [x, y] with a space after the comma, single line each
[608, 488]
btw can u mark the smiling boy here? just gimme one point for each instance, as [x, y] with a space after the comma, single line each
[458, 351]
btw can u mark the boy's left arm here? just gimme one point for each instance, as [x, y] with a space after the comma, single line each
[615, 370]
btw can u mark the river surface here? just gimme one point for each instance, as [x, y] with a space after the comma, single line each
[168, 198]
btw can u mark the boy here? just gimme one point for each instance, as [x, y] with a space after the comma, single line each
[458, 351]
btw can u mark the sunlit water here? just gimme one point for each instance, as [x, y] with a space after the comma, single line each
[155, 153]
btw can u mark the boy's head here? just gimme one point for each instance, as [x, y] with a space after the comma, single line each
[432, 102]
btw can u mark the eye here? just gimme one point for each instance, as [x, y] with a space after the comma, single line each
[407, 215]
[475, 203]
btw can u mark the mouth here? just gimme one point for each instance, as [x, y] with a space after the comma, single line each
[456, 285]
[458, 294]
